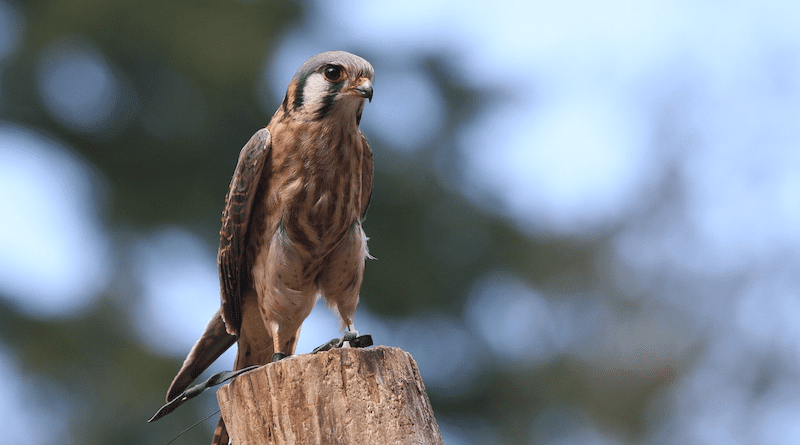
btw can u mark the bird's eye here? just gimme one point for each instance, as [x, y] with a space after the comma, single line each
[332, 73]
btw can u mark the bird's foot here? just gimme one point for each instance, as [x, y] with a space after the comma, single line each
[278, 356]
[351, 339]
[348, 337]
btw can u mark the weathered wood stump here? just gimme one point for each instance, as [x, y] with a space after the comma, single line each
[342, 396]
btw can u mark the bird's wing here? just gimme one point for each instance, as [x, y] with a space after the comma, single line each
[366, 177]
[221, 332]
[232, 261]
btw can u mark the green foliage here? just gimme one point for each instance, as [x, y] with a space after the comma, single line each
[192, 67]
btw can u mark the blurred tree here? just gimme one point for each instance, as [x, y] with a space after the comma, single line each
[185, 75]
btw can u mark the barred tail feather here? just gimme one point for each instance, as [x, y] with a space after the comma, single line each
[220, 434]
[214, 341]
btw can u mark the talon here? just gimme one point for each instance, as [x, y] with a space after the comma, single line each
[278, 356]
[348, 337]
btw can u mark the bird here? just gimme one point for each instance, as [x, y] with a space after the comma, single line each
[291, 226]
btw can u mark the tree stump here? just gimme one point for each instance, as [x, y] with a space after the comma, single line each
[341, 396]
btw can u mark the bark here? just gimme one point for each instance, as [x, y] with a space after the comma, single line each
[341, 396]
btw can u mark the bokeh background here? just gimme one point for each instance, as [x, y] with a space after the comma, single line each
[586, 215]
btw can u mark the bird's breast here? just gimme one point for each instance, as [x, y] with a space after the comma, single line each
[318, 194]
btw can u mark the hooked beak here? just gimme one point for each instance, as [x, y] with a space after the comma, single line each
[365, 89]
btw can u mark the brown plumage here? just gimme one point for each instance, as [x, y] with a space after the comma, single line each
[291, 227]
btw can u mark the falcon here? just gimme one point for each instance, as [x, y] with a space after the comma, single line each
[291, 228]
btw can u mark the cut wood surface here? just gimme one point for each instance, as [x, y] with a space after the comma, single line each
[341, 396]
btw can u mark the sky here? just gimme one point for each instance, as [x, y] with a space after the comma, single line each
[599, 106]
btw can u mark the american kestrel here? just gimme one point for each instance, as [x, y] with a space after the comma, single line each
[291, 227]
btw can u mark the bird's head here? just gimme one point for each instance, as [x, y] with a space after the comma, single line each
[332, 84]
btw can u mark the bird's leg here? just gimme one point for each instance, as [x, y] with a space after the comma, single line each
[349, 335]
[276, 342]
[350, 339]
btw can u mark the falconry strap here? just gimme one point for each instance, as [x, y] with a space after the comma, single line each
[222, 377]
[216, 379]
[362, 341]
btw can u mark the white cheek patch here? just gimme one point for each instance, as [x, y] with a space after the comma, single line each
[314, 91]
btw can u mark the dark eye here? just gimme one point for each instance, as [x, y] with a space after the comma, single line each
[332, 73]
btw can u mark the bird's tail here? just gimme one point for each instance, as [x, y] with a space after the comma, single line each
[251, 351]
[220, 434]
[255, 348]
[214, 341]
